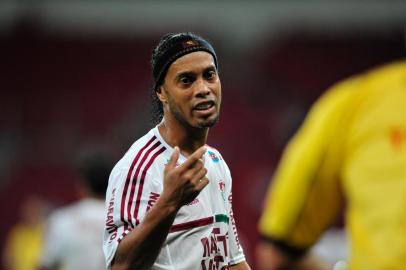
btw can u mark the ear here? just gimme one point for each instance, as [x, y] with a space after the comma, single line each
[161, 94]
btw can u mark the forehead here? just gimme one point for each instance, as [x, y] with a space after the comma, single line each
[192, 62]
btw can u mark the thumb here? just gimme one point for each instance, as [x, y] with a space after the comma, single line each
[174, 158]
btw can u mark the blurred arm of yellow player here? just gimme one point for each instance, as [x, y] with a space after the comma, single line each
[269, 257]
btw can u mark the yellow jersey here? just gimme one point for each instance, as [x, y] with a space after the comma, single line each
[24, 246]
[351, 148]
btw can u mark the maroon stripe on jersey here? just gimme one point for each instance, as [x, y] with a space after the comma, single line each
[137, 204]
[134, 183]
[192, 224]
[127, 181]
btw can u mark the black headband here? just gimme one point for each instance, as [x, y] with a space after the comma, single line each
[180, 48]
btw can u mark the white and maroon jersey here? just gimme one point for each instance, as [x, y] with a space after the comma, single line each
[73, 237]
[203, 235]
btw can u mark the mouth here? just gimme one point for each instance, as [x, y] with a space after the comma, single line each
[206, 107]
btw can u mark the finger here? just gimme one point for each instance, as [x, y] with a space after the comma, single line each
[193, 174]
[202, 183]
[173, 159]
[198, 175]
[195, 167]
[193, 158]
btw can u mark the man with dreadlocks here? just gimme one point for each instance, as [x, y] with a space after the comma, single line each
[169, 197]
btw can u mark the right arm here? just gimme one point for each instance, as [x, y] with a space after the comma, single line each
[140, 248]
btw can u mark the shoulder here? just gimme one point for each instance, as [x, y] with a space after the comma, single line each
[384, 74]
[339, 94]
[334, 104]
[142, 150]
[383, 78]
[144, 159]
[143, 144]
[217, 159]
[353, 90]
[215, 156]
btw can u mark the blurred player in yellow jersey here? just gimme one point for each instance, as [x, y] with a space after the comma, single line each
[24, 240]
[351, 149]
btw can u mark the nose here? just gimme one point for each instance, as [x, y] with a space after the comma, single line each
[202, 88]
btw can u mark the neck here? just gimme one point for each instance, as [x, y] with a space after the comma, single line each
[187, 138]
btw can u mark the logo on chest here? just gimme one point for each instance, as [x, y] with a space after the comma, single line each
[222, 187]
[215, 158]
[195, 201]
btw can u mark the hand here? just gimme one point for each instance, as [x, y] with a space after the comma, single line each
[182, 184]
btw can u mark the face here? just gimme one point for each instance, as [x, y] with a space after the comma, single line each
[191, 92]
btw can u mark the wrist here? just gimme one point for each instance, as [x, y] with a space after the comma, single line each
[166, 207]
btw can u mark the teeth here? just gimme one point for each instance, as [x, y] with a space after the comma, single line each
[203, 106]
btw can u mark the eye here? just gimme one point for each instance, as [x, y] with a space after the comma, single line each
[186, 79]
[210, 74]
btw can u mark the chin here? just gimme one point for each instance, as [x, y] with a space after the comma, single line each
[196, 122]
[207, 123]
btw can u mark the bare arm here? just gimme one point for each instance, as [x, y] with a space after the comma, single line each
[140, 248]
[269, 257]
[240, 266]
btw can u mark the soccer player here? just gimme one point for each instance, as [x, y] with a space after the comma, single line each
[73, 238]
[351, 149]
[169, 197]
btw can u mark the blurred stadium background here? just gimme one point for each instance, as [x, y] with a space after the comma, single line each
[75, 77]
